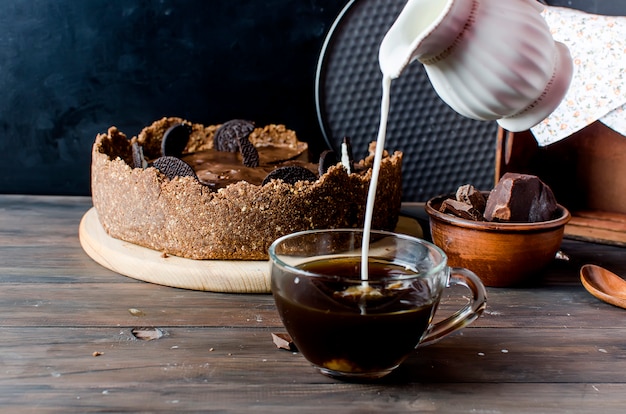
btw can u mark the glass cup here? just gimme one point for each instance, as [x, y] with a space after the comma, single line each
[361, 328]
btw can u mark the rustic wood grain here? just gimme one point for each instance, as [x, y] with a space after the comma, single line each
[67, 343]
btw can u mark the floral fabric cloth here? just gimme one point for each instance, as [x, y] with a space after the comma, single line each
[598, 90]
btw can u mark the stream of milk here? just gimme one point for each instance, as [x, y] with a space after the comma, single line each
[371, 194]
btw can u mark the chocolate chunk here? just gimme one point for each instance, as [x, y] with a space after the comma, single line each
[138, 159]
[290, 174]
[461, 209]
[283, 341]
[469, 195]
[175, 140]
[230, 133]
[520, 198]
[328, 158]
[173, 167]
[347, 158]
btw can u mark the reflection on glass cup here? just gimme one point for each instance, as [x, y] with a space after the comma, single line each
[355, 328]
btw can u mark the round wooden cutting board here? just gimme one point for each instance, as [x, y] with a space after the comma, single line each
[137, 262]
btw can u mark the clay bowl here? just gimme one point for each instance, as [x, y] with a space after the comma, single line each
[501, 254]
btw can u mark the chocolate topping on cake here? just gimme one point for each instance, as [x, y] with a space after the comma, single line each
[173, 167]
[175, 140]
[290, 174]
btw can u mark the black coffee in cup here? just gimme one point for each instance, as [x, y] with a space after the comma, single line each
[345, 325]
[360, 324]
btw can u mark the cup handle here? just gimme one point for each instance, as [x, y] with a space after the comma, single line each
[465, 315]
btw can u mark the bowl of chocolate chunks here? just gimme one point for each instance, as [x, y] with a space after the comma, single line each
[507, 236]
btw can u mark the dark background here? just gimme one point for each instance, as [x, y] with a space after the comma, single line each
[69, 69]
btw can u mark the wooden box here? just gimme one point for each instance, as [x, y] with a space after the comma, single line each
[586, 171]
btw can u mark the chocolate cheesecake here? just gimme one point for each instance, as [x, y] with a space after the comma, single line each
[228, 191]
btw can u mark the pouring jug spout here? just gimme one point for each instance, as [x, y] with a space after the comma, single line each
[487, 59]
[419, 33]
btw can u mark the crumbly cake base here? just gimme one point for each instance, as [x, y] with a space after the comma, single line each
[182, 217]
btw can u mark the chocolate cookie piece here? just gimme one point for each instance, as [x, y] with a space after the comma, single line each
[520, 198]
[175, 140]
[290, 174]
[461, 209]
[249, 153]
[328, 158]
[173, 167]
[232, 136]
[139, 160]
[470, 195]
[230, 133]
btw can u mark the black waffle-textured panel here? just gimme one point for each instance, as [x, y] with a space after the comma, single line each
[442, 149]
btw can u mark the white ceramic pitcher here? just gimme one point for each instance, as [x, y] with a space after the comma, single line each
[487, 59]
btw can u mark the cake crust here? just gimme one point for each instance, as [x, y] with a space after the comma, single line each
[185, 218]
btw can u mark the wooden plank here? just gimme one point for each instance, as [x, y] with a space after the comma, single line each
[27, 221]
[545, 347]
[562, 369]
[597, 226]
[108, 305]
[36, 355]
[600, 221]
[595, 234]
[285, 397]
[94, 304]
[604, 216]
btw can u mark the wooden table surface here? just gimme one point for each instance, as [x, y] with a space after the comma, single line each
[67, 342]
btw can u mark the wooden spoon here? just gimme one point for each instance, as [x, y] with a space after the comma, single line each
[604, 284]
